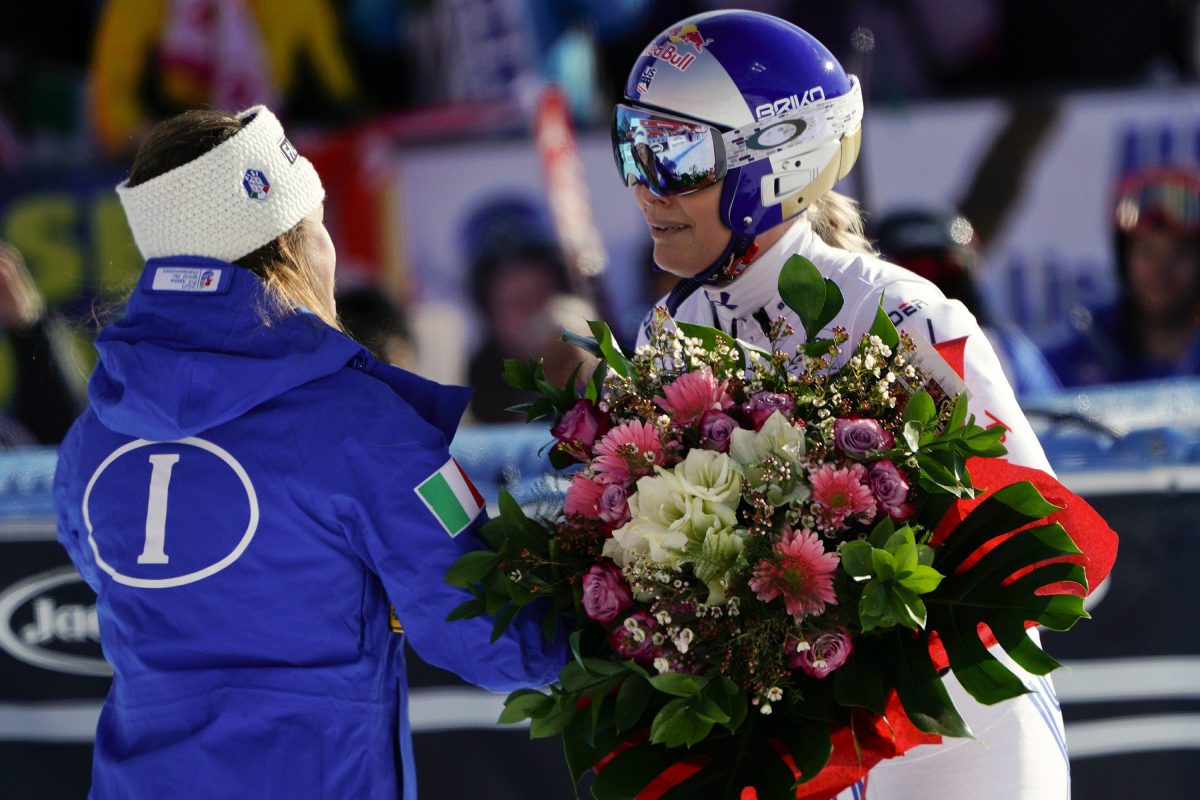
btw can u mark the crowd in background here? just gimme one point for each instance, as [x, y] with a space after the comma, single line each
[80, 80]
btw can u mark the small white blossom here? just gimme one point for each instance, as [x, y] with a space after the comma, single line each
[684, 640]
[774, 694]
[661, 665]
[802, 646]
[663, 618]
[765, 709]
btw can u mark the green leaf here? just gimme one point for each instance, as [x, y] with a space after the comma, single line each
[873, 605]
[471, 608]
[921, 579]
[471, 568]
[856, 558]
[815, 299]
[802, 287]
[979, 594]
[519, 373]
[921, 691]
[920, 408]
[596, 382]
[959, 415]
[905, 555]
[678, 724]
[748, 348]
[677, 684]
[630, 771]
[538, 409]
[883, 327]
[817, 347]
[525, 704]
[710, 337]
[882, 563]
[561, 460]
[912, 435]
[860, 680]
[810, 744]
[503, 620]
[522, 531]
[882, 532]
[1002, 511]
[632, 699]
[610, 350]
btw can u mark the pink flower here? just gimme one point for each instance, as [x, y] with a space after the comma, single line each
[716, 428]
[627, 452]
[579, 428]
[583, 496]
[614, 505]
[691, 394]
[762, 405]
[890, 489]
[633, 638]
[605, 593]
[856, 437]
[801, 570]
[839, 494]
[823, 655]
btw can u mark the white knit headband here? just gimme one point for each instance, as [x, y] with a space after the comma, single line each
[230, 201]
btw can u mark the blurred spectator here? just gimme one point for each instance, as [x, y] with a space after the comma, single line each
[944, 249]
[570, 312]
[1153, 331]
[375, 321]
[157, 56]
[45, 398]
[488, 49]
[516, 272]
[44, 50]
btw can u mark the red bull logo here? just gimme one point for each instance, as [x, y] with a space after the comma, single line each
[678, 49]
[688, 34]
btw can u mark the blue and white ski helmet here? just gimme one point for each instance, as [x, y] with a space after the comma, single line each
[738, 69]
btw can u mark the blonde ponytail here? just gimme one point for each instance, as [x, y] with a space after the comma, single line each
[837, 219]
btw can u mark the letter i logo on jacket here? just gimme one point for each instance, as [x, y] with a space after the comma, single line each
[451, 496]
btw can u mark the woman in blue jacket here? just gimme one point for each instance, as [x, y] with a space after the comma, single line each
[249, 491]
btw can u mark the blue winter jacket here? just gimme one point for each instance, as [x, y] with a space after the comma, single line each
[241, 498]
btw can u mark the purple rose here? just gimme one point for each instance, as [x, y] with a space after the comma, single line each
[856, 437]
[763, 404]
[634, 638]
[823, 655]
[715, 429]
[605, 593]
[891, 489]
[614, 505]
[580, 427]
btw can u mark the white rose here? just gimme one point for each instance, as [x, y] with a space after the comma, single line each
[711, 476]
[778, 439]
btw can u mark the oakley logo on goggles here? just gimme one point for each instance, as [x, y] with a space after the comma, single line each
[672, 155]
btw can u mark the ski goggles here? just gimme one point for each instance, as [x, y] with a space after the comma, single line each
[672, 155]
[1165, 198]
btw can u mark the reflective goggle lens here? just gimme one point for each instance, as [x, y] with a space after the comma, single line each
[667, 155]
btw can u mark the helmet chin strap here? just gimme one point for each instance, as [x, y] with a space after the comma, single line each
[738, 255]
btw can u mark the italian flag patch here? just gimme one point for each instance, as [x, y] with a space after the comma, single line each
[451, 496]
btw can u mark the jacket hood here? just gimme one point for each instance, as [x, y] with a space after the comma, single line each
[192, 351]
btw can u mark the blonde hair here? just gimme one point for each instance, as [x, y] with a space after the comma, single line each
[291, 281]
[837, 219]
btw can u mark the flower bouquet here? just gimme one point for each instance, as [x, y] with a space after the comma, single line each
[765, 560]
